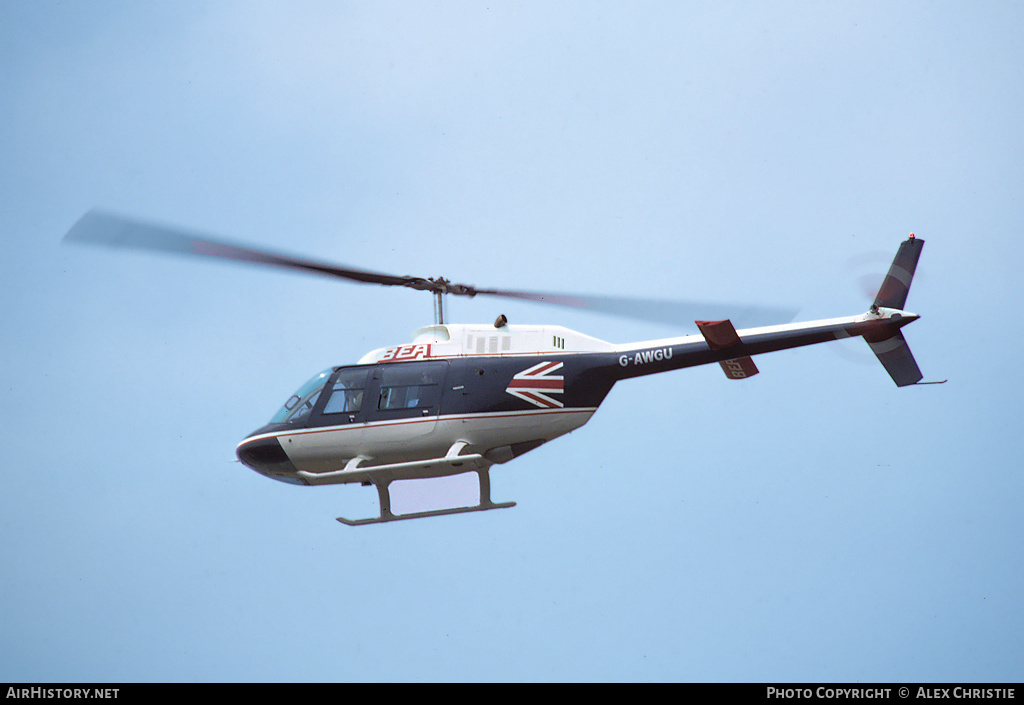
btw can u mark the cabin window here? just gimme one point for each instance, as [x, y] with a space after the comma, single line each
[347, 391]
[410, 386]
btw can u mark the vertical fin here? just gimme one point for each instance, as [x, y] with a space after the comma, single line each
[891, 349]
[896, 285]
[896, 358]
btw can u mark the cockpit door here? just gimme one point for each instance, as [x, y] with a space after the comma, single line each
[407, 396]
[334, 430]
[347, 392]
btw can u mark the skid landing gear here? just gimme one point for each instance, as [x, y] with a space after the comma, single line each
[381, 477]
[387, 515]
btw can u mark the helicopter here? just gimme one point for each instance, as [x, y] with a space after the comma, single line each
[461, 398]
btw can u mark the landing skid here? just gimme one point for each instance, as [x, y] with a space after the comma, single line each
[381, 477]
[387, 515]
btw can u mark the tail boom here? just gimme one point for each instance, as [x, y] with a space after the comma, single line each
[649, 357]
[720, 342]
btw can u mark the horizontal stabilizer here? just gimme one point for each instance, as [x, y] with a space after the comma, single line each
[721, 335]
[896, 358]
[740, 368]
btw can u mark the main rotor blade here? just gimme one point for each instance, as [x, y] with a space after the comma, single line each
[101, 228]
[677, 313]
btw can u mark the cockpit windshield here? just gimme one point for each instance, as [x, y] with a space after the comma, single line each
[300, 404]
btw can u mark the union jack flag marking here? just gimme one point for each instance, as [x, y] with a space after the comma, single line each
[536, 383]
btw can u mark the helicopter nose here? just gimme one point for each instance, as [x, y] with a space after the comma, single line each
[266, 456]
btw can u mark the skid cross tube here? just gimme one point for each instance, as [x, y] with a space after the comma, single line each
[386, 515]
[383, 476]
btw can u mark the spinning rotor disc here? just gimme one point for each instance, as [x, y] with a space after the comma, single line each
[99, 227]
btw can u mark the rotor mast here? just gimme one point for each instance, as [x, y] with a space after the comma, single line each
[438, 307]
[439, 287]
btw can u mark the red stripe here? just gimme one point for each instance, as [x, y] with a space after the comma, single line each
[537, 384]
[543, 401]
[540, 370]
[427, 419]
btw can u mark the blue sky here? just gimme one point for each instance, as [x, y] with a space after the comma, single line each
[814, 523]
